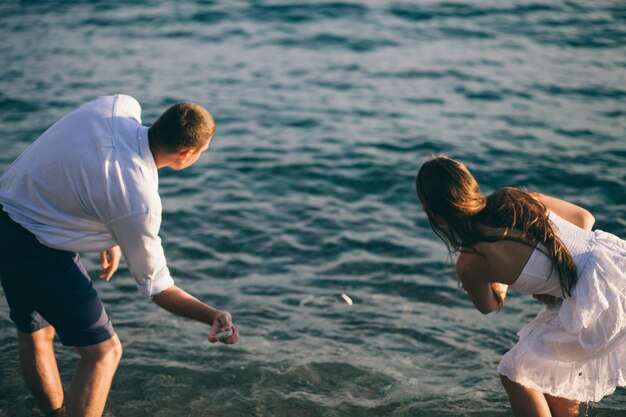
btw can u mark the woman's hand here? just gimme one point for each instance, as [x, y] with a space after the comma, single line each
[499, 292]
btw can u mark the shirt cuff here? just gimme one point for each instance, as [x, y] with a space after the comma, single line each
[153, 287]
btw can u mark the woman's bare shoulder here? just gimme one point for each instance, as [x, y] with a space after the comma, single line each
[500, 261]
[473, 265]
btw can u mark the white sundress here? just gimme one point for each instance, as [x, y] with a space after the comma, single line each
[575, 349]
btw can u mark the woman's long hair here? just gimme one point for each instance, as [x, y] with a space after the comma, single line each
[447, 190]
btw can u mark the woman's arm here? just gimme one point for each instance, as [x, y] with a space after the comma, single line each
[472, 270]
[570, 212]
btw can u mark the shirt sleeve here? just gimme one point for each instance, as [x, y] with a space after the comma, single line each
[138, 238]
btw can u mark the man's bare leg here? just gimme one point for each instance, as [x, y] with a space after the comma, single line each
[561, 407]
[525, 402]
[39, 368]
[92, 379]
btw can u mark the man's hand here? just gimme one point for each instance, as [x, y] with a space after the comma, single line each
[180, 302]
[109, 261]
[222, 323]
[546, 299]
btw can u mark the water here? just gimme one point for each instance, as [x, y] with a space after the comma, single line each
[325, 110]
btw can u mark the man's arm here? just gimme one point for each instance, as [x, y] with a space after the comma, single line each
[140, 244]
[141, 247]
[570, 212]
[180, 302]
[109, 261]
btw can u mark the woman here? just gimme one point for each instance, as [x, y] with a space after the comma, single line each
[575, 349]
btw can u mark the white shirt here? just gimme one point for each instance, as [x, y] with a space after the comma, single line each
[90, 182]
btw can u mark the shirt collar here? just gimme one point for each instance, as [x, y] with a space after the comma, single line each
[144, 145]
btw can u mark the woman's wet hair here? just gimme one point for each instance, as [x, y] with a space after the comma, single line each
[449, 192]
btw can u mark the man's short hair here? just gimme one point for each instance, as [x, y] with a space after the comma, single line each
[183, 125]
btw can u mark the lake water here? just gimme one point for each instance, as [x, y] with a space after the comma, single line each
[325, 110]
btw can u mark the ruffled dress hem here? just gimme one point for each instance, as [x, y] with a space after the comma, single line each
[577, 349]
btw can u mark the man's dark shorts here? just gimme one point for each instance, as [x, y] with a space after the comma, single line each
[45, 286]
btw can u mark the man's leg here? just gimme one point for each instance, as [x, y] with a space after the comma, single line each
[39, 367]
[525, 402]
[92, 379]
[44, 287]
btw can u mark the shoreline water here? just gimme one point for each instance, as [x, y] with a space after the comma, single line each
[325, 110]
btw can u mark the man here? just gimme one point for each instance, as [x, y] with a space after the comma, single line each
[90, 183]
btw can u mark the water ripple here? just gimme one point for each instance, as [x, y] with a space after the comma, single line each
[325, 110]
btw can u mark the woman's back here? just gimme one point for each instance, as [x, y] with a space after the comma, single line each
[502, 261]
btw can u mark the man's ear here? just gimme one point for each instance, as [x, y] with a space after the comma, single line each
[185, 153]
